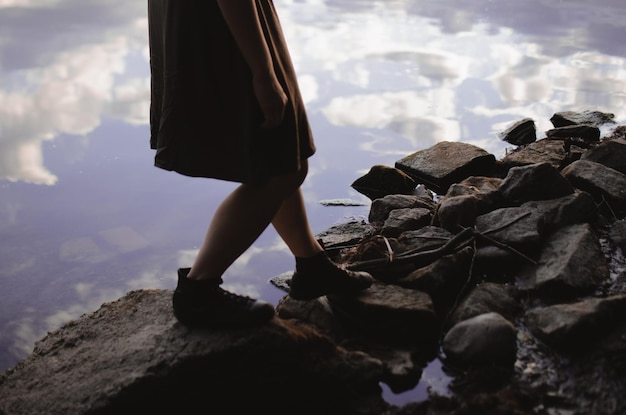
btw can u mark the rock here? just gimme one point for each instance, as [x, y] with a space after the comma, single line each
[466, 200]
[617, 234]
[572, 327]
[611, 153]
[381, 181]
[442, 279]
[595, 118]
[539, 181]
[589, 133]
[345, 234]
[520, 132]
[318, 313]
[523, 227]
[428, 237]
[541, 151]
[571, 263]
[485, 298]
[446, 163]
[403, 220]
[132, 356]
[484, 340]
[380, 209]
[390, 314]
[600, 181]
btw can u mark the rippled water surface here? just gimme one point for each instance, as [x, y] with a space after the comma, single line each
[85, 217]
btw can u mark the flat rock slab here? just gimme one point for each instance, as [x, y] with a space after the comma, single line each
[446, 163]
[132, 356]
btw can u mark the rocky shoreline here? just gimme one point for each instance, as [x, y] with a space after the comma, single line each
[509, 271]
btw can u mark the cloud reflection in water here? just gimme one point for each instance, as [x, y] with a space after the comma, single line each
[380, 79]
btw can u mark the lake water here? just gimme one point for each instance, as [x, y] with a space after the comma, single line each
[84, 215]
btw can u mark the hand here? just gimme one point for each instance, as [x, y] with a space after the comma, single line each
[272, 100]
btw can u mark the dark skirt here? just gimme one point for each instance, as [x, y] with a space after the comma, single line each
[204, 116]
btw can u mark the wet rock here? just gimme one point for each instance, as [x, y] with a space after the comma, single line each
[403, 220]
[446, 163]
[571, 263]
[595, 118]
[534, 182]
[380, 209]
[541, 151]
[484, 340]
[571, 327]
[381, 181]
[132, 356]
[486, 298]
[611, 153]
[617, 234]
[589, 133]
[598, 180]
[389, 313]
[520, 132]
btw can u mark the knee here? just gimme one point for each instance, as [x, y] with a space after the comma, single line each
[283, 186]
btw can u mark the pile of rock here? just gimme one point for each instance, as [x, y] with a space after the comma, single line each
[479, 262]
[516, 248]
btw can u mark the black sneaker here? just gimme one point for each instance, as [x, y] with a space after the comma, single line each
[205, 304]
[318, 276]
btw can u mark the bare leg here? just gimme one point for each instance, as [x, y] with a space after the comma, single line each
[239, 221]
[292, 225]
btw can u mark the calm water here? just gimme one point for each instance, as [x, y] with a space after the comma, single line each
[85, 217]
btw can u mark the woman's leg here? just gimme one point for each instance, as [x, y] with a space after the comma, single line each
[239, 221]
[292, 225]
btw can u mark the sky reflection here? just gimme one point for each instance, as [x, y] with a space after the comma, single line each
[84, 217]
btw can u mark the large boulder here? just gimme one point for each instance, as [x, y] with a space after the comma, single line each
[132, 356]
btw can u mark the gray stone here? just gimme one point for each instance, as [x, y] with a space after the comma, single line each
[484, 340]
[539, 181]
[132, 356]
[381, 181]
[598, 180]
[570, 327]
[442, 279]
[520, 132]
[389, 313]
[596, 118]
[446, 163]
[541, 151]
[611, 153]
[571, 263]
[465, 201]
[379, 211]
[426, 238]
[486, 298]
[589, 133]
[523, 227]
[403, 220]
[345, 234]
